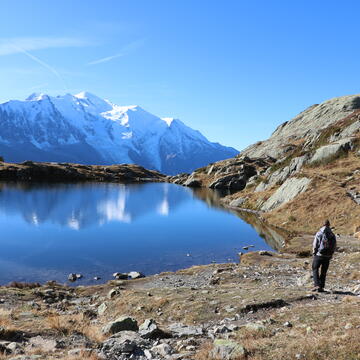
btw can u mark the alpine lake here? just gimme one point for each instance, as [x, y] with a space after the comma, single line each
[96, 229]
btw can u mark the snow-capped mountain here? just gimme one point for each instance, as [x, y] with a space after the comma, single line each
[86, 129]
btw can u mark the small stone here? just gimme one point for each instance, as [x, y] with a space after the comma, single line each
[148, 354]
[112, 293]
[162, 349]
[2, 301]
[288, 324]
[72, 277]
[255, 327]
[245, 247]
[120, 276]
[97, 278]
[348, 326]
[79, 276]
[265, 253]
[102, 308]
[135, 275]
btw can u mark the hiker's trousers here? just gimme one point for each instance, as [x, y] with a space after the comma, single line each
[320, 263]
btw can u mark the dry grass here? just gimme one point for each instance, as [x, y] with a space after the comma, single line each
[66, 324]
[320, 332]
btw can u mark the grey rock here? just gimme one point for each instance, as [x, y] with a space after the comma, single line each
[150, 330]
[228, 350]
[307, 124]
[180, 330]
[162, 349]
[238, 202]
[121, 324]
[328, 151]
[193, 182]
[120, 276]
[121, 345]
[102, 308]
[255, 327]
[286, 192]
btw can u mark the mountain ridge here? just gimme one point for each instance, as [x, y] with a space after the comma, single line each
[84, 128]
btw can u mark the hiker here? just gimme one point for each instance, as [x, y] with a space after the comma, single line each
[323, 249]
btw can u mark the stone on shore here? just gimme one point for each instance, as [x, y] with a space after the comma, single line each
[121, 324]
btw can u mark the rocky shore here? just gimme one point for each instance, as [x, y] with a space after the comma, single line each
[30, 171]
[259, 308]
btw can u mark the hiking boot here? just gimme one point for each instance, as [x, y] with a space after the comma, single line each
[320, 289]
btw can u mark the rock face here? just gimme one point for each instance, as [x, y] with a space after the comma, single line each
[308, 124]
[286, 192]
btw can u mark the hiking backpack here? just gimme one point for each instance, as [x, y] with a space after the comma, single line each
[327, 243]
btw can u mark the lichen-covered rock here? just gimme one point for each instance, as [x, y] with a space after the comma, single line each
[228, 350]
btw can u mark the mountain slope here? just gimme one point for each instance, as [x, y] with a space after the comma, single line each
[307, 171]
[89, 130]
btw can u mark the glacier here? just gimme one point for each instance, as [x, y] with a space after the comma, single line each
[86, 129]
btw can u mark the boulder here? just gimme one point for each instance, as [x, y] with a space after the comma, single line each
[180, 330]
[192, 182]
[286, 192]
[328, 151]
[121, 324]
[228, 350]
[150, 330]
[121, 345]
[120, 276]
[72, 277]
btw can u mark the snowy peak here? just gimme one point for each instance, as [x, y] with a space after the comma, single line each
[85, 128]
[36, 97]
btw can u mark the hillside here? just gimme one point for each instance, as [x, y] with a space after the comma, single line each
[308, 170]
[86, 129]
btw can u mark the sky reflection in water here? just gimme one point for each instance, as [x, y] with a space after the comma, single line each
[48, 231]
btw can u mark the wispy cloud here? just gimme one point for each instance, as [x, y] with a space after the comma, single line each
[43, 64]
[125, 50]
[10, 46]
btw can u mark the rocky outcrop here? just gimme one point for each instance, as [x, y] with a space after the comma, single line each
[67, 172]
[326, 152]
[308, 124]
[286, 192]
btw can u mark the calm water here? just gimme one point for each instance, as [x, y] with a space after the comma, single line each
[48, 231]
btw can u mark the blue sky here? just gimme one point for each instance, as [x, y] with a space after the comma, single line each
[232, 69]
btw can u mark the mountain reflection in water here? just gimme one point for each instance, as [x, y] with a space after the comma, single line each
[48, 231]
[81, 205]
